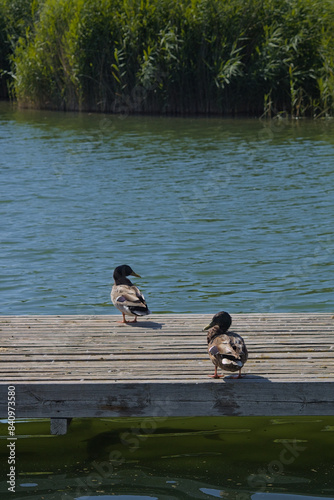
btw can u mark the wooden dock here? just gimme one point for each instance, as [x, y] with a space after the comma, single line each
[93, 366]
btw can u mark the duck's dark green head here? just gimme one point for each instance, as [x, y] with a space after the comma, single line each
[221, 319]
[122, 271]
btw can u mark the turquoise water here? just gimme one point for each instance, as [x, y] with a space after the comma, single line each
[234, 214]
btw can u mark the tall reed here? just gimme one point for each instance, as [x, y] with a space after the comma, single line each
[166, 56]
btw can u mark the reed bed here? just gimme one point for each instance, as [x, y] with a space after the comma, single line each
[225, 57]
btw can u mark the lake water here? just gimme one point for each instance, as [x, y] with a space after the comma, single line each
[213, 214]
[233, 458]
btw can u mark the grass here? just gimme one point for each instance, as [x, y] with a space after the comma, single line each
[253, 57]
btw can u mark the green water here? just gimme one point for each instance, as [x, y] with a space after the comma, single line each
[201, 458]
[214, 214]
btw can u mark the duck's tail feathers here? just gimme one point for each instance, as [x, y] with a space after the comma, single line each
[235, 362]
[140, 311]
[226, 359]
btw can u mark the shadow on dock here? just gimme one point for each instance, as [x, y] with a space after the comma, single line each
[247, 376]
[146, 324]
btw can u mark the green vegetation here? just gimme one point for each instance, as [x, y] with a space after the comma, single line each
[170, 56]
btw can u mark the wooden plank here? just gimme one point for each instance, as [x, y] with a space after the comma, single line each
[211, 398]
[59, 426]
[86, 366]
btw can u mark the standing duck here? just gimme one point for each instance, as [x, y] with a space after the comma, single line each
[227, 350]
[126, 296]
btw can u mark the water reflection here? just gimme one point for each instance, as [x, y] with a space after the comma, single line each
[190, 458]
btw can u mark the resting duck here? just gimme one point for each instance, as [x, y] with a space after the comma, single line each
[227, 350]
[126, 296]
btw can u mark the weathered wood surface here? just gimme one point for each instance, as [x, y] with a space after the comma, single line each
[86, 366]
[59, 426]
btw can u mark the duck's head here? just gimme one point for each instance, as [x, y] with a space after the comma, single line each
[122, 271]
[222, 319]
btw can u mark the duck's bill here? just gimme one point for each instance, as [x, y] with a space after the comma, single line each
[207, 327]
[135, 274]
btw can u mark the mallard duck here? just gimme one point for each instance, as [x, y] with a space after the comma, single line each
[126, 296]
[227, 350]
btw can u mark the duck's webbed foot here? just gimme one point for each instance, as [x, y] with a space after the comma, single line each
[215, 375]
[125, 321]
